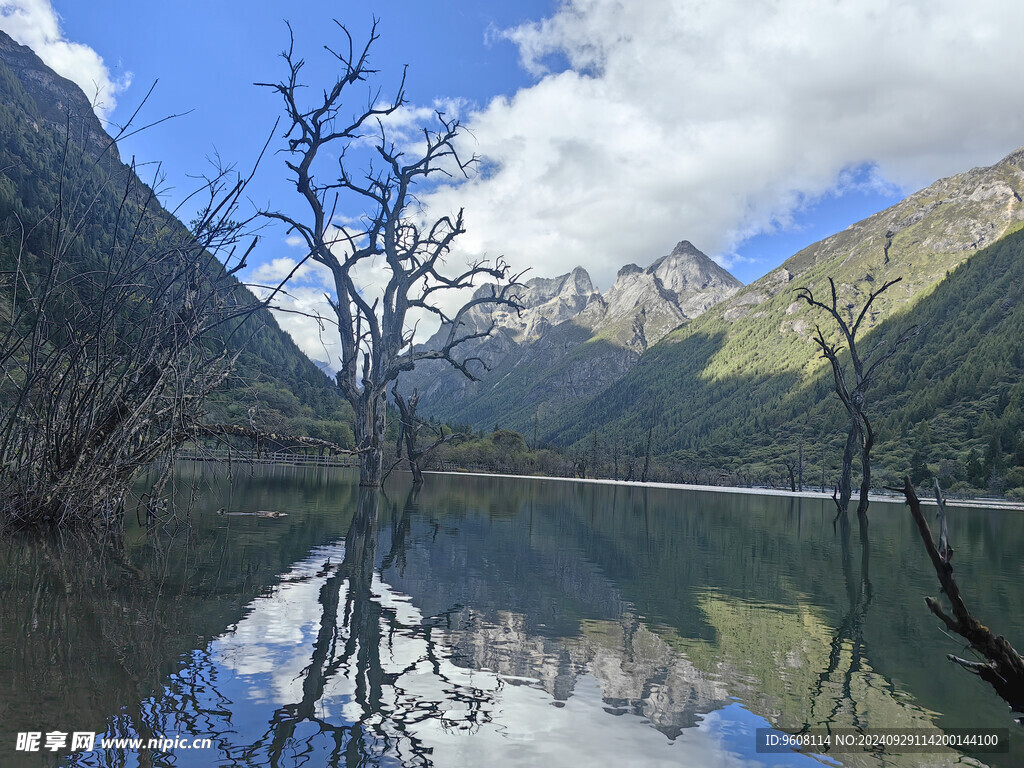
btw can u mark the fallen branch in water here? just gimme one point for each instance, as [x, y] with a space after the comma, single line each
[1004, 666]
[257, 436]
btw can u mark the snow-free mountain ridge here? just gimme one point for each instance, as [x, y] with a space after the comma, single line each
[568, 341]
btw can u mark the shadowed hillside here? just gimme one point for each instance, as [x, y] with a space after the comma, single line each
[54, 152]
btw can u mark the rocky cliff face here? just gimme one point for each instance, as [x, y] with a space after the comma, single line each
[60, 102]
[546, 302]
[568, 341]
[645, 304]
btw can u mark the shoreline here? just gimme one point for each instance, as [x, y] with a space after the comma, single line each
[1011, 506]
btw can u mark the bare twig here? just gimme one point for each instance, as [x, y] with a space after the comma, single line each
[110, 350]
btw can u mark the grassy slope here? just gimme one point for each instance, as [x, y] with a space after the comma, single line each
[742, 384]
[534, 380]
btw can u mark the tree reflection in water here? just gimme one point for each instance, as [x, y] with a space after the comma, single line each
[376, 680]
[659, 608]
[354, 627]
[847, 650]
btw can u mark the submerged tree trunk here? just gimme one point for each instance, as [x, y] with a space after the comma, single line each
[408, 433]
[867, 442]
[369, 434]
[409, 426]
[846, 476]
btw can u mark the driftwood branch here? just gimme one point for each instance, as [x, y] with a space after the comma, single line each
[1004, 667]
[257, 436]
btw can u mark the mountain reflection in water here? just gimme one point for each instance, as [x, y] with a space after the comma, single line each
[489, 622]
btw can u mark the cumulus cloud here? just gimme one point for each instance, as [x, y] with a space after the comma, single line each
[653, 122]
[300, 288]
[35, 23]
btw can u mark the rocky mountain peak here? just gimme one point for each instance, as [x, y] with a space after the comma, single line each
[686, 248]
[540, 290]
[629, 269]
[542, 353]
[642, 304]
[645, 304]
[579, 283]
[1014, 158]
[546, 301]
[687, 269]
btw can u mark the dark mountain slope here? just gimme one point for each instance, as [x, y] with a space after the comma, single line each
[274, 383]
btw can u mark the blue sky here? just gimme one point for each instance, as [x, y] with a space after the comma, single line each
[611, 130]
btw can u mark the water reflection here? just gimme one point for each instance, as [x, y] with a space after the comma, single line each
[847, 658]
[355, 627]
[374, 676]
[486, 622]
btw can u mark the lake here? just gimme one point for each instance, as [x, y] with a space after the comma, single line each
[492, 621]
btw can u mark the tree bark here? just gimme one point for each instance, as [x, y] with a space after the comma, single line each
[369, 434]
[846, 476]
[867, 442]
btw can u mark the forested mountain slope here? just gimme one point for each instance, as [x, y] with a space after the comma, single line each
[743, 385]
[274, 385]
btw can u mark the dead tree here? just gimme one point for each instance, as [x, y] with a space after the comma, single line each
[861, 435]
[373, 321]
[650, 438]
[1003, 667]
[409, 428]
[800, 468]
[791, 469]
[631, 460]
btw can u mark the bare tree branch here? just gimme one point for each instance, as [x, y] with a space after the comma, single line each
[1004, 666]
[861, 434]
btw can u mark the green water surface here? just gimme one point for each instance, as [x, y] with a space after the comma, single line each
[490, 621]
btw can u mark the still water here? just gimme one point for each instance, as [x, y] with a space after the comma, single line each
[487, 621]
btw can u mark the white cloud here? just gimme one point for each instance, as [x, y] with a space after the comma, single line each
[658, 121]
[35, 23]
[301, 307]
